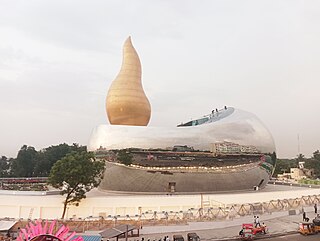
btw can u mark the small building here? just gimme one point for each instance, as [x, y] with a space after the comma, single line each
[296, 174]
[231, 148]
[120, 231]
[284, 176]
[300, 173]
[6, 228]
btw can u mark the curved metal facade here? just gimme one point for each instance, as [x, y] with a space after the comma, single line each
[230, 128]
[126, 179]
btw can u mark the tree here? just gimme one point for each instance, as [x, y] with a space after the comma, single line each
[23, 165]
[316, 155]
[76, 174]
[125, 157]
[313, 164]
[47, 157]
[4, 166]
[301, 158]
[32, 163]
[284, 165]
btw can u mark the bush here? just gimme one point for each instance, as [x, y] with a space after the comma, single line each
[125, 157]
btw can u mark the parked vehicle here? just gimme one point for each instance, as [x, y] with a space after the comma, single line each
[307, 228]
[178, 237]
[248, 231]
[193, 237]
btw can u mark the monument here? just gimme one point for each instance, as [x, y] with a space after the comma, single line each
[226, 150]
[126, 102]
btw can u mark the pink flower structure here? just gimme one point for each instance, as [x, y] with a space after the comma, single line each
[46, 231]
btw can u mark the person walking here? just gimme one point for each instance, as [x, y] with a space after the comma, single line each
[258, 222]
[304, 217]
[254, 221]
[315, 208]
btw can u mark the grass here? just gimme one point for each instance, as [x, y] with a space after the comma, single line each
[309, 181]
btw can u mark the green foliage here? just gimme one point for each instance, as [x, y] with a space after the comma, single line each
[316, 155]
[313, 164]
[4, 166]
[125, 157]
[284, 165]
[301, 158]
[23, 165]
[309, 181]
[76, 174]
[32, 163]
[48, 157]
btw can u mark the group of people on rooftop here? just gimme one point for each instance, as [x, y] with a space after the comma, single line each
[217, 111]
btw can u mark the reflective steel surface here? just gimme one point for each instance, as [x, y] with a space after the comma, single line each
[239, 127]
[227, 152]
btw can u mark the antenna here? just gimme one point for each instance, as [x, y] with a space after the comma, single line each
[298, 144]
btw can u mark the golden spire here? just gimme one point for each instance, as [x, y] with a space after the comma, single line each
[126, 102]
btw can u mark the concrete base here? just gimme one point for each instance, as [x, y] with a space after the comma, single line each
[100, 203]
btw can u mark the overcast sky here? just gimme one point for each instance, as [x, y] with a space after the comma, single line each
[58, 58]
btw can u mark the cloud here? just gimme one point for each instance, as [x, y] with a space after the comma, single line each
[58, 58]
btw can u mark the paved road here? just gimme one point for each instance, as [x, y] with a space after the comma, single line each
[296, 237]
[278, 223]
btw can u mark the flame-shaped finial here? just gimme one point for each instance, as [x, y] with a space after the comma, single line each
[126, 102]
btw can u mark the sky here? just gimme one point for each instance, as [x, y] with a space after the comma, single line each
[58, 59]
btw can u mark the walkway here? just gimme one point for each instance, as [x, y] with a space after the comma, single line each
[278, 223]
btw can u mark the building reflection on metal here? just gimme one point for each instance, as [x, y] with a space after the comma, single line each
[240, 127]
[232, 151]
